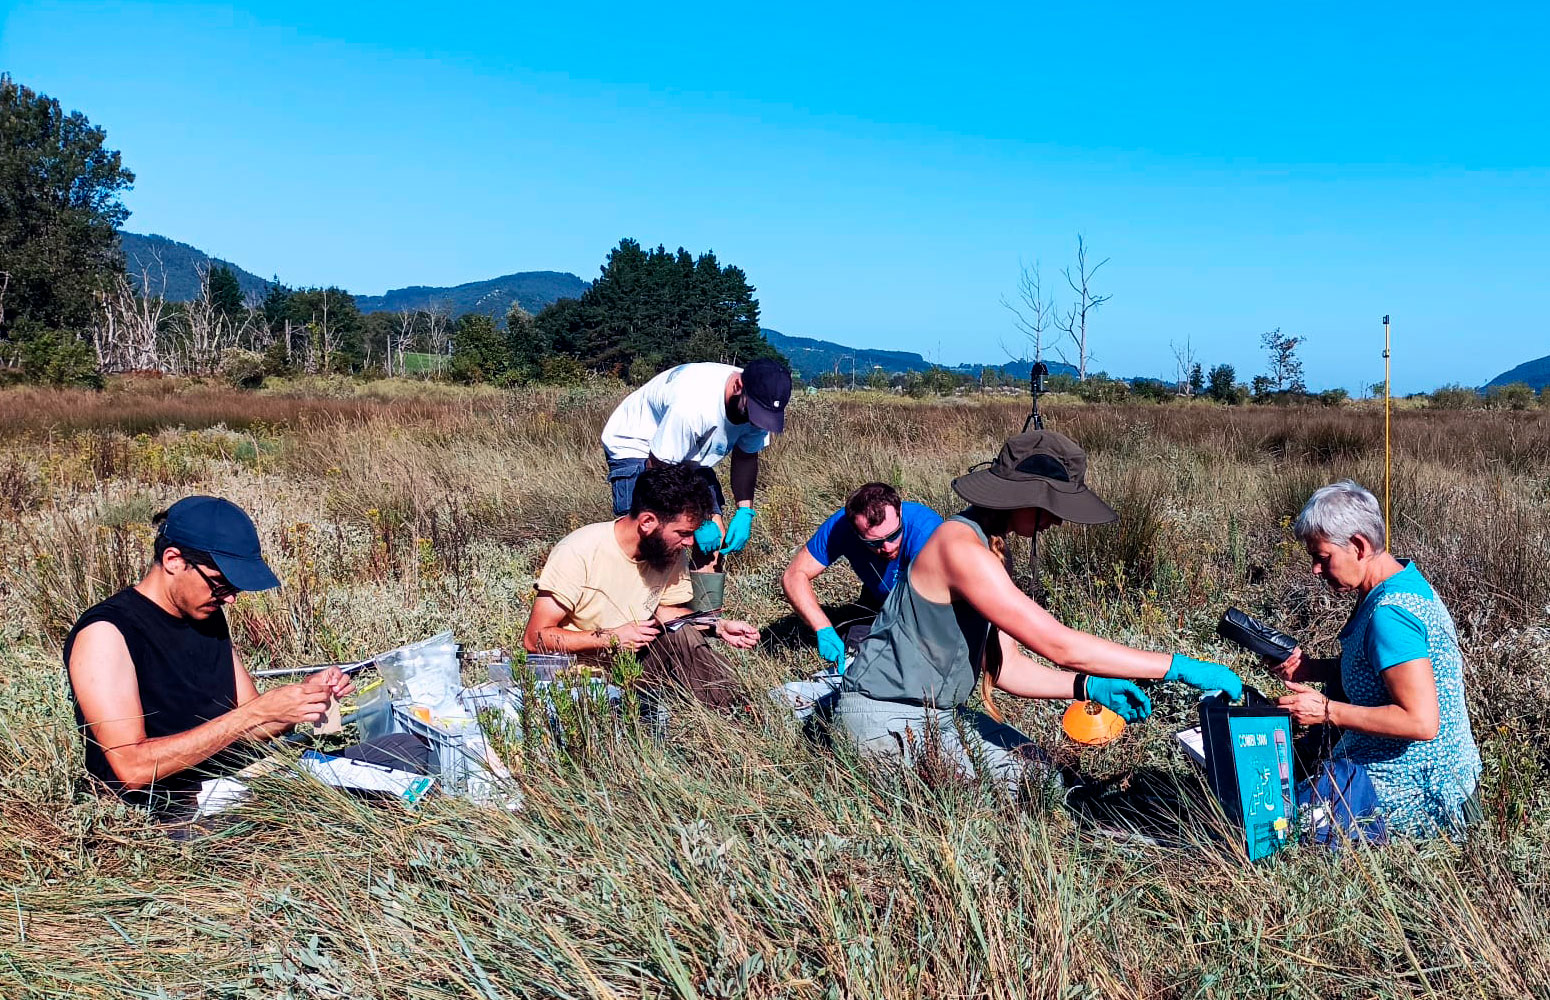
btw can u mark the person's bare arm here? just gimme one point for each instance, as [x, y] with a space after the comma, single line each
[247, 690]
[797, 582]
[977, 576]
[545, 632]
[1028, 678]
[1413, 716]
[103, 677]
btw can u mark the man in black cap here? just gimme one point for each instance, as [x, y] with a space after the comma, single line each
[698, 413]
[160, 695]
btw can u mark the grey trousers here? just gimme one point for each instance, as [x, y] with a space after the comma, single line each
[967, 739]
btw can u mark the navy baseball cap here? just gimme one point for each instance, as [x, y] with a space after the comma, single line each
[225, 531]
[767, 390]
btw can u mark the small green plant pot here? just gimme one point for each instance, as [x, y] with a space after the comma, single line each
[710, 591]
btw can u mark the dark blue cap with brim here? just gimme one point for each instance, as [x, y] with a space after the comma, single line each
[224, 530]
[767, 390]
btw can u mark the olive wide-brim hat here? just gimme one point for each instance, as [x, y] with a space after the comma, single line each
[1042, 469]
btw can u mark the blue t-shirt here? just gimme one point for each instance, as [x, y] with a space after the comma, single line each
[837, 539]
[1422, 785]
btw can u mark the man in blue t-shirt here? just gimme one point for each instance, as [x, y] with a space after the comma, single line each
[876, 533]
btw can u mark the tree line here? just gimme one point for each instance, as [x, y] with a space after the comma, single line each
[69, 312]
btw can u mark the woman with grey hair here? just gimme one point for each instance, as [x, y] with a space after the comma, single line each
[1405, 726]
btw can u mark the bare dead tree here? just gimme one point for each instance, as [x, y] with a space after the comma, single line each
[1074, 323]
[406, 323]
[1032, 312]
[325, 339]
[126, 331]
[255, 327]
[440, 328]
[206, 330]
[127, 326]
[1183, 363]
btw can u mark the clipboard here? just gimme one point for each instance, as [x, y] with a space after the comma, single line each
[698, 618]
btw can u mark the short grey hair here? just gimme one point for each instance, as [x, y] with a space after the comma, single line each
[1338, 513]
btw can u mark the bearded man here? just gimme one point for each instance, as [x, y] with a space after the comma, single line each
[619, 584]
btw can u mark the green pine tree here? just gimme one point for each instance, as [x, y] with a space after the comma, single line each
[59, 219]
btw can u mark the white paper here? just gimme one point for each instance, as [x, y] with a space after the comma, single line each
[219, 794]
[1194, 744]
[341, 772]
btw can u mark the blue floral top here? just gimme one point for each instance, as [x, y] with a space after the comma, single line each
[1421, 784]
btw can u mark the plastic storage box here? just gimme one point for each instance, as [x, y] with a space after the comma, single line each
[456, 754]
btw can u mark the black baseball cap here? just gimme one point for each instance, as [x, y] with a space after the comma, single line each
[767, 390]
[224, 530]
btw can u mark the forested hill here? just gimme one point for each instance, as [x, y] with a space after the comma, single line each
[173, 268]
[812, 358]
[1536, 373]
[530, 289]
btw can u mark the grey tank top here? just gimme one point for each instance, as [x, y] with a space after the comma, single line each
[919, 651]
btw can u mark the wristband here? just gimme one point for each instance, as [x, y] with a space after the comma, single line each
[1079, 687]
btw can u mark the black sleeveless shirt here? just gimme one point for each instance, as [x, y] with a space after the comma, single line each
[186, 677]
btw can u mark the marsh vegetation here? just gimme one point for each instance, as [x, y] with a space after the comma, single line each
[735, 857]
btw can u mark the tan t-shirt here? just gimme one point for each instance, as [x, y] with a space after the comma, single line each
[589, 575]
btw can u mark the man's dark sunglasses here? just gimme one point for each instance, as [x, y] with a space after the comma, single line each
[878, 543]
[219, 589]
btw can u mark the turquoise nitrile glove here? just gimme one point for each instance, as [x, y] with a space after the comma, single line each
[832, 648]
[739, 531]
[1205, 675]
[707, 536]
[1121, 697]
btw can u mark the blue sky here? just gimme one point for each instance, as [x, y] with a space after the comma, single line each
[878, 170]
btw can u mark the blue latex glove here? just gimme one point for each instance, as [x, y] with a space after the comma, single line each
[740, 530]
[1121, 697]
[831, 647]
[708, 536]
[1205, 675]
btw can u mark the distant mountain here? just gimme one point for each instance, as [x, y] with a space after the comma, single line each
[531, 289]
[811, 358]
[1536, 373]
[173, 268]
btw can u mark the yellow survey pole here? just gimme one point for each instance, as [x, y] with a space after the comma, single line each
[1388, 450]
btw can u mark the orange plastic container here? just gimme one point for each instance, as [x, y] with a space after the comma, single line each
[1090, 724]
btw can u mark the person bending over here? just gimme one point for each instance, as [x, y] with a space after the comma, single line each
[617, 584]
[160, 694]
[954, 621]
[876, 533]
[698, 413]
[1404, 722]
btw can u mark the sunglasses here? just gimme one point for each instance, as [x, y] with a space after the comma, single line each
[876, 544]
[219, 589]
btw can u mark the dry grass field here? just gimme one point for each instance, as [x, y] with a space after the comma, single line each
[735, 857]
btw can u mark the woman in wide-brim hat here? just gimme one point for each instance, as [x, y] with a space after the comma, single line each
[954, 621]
